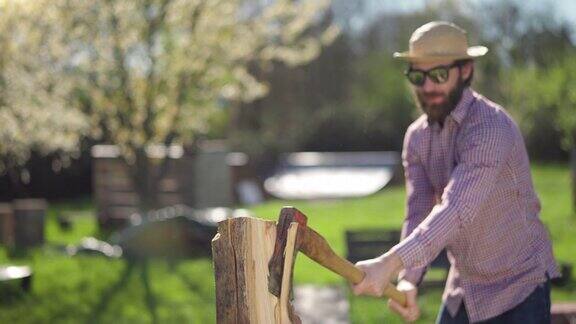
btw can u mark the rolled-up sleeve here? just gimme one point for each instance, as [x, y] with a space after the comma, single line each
[419, 199]
[484, 152]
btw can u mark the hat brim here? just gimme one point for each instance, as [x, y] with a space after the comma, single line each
[472, 53]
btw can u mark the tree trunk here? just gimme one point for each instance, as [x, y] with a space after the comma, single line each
[19, 189]
[146, 182]
[241, 251]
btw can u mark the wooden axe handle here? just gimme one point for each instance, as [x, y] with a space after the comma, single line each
[318, 249]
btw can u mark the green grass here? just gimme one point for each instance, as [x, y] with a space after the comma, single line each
[93, 289]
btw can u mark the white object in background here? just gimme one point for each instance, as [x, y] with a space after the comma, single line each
[328, 182]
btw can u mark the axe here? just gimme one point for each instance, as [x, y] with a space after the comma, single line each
[316, 248]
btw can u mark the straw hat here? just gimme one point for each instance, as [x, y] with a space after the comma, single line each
[439, 40]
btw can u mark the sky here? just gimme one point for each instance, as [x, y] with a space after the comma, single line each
[561, 10]
[565, 9]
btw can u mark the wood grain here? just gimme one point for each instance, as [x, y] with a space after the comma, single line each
[241, 251]
[224, 271]
[287, 312]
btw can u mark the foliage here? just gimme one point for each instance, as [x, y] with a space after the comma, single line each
[298, 101]
[374, 116]
[521, 42]
[34, 112]
[543, 94]
[550, 91]
[383, 96]
[148, 72]
[345, 100]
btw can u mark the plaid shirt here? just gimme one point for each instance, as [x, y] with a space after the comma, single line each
[469, 190]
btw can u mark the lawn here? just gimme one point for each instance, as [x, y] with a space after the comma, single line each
[93, 289]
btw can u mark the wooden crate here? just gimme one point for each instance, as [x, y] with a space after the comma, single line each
[200, 181]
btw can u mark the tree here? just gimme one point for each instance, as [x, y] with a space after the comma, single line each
[288, 117]
[549, 91]
[33, 106]
[149, 72]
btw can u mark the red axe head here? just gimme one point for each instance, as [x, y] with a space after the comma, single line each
[288, 215]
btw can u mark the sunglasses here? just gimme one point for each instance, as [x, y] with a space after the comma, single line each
[438, 74]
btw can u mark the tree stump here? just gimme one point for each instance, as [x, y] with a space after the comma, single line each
[29, 221]
[6, 225]
[241, 251]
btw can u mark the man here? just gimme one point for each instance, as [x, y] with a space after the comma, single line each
[470, 191]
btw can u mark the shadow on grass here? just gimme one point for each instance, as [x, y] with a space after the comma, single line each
[140, 267]
[190, 284]
[12, 293]
[150, 300]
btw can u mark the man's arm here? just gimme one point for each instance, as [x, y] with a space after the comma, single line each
[419, 200]
[486, 150]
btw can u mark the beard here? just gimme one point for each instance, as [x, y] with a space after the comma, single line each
[438, 112]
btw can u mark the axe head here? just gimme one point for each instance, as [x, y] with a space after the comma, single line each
[288, 215]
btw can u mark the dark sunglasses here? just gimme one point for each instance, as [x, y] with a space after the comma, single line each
[438, 74]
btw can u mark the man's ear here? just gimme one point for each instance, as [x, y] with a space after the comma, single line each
[467, 69]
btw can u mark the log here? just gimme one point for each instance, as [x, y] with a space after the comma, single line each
[241, 250]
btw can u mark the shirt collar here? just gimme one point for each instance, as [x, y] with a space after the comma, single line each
[461, 109]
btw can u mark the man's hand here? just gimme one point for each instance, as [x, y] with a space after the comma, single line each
[411, 311]
[379, 272]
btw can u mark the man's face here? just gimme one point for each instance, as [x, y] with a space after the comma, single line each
[437, 100]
